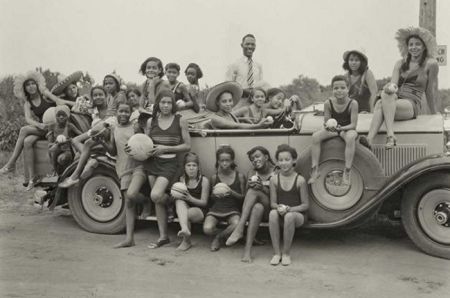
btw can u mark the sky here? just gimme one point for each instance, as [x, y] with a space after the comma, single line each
[293, 37]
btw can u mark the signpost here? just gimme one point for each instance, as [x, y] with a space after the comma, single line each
[442, 55]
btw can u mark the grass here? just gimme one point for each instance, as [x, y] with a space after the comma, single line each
[4, 156]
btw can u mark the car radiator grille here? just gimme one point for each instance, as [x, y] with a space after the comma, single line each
[396, 158]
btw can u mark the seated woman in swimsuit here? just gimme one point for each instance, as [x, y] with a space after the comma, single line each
[182, 96]
[37, 99]
[257, 111]
[416, 75]
[221, 100]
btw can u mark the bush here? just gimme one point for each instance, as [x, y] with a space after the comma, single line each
[9, 132]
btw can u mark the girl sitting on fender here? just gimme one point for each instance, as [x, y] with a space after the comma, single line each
[227, 203]
[191, 207]
[344, 111]
[289, 202]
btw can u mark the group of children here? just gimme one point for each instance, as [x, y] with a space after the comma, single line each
[227, 198]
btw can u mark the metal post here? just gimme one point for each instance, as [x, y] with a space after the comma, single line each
[427, 15]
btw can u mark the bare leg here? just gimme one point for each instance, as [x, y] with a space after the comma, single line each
[79, 140]
[194, 214]
[349, 138]
[377, 121]
[160, 198]
[131, 196]
[232, 223]
[252, 197]
[292, 220]
[28, 153]
[23, 133]
[210, 229]
[182, 211]
[274, 229]
[389, 106]
[253, 225]
[317, 138]
[84, 157]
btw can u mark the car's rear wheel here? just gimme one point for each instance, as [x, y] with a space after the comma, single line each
[97, 203]
[426, 213]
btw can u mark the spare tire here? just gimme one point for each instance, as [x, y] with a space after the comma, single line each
[329, 199]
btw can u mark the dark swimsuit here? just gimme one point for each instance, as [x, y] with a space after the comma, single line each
[40, 109]
[412, 87]
[226, 206]
[196, 192]
[360, 92]
[343, 118]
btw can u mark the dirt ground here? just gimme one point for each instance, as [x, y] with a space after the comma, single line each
[45, 254]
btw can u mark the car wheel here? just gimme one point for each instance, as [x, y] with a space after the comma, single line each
[426, 213]
[97, 204]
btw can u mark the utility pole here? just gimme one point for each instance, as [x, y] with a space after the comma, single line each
[427, 15]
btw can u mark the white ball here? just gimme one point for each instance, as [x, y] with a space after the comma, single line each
[61, 139]
[281, 208]
[331, 123]
[49, 116]
[220, 189]
[140, 144]
[254, 178]
[178, 190]
[391, 88]
[181, 103]
[269, 119]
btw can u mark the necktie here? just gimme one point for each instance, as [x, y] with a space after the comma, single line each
[250, 73]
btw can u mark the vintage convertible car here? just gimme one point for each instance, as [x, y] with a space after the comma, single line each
[411, 181]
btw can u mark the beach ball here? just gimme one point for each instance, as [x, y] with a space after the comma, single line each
[220, 189]
[140, 144]
[178, 190]
[331, 123]
[61, 139]
[49, 116]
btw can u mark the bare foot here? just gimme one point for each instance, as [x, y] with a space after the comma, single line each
[275, 260]
[234, 237]
[184, 233]
[215, 244]
[126, 243]
[184, 245]
[246, 258]
[285, 260]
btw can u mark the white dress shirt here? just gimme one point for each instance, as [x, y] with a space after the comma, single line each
[238, 72]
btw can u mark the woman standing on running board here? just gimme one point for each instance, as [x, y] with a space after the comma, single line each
[363, 86]
[416, 75]
[170, 136]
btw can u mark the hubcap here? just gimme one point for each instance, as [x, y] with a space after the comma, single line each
[434, 215]
[329, 190]
[101, 198]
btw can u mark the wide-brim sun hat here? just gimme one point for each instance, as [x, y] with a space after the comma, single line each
[19, 80]
[426, 36]
[211, 98]
[359, 52]
[59, 88]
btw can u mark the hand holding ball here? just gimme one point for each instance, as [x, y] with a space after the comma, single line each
[282, 209]
[390, 88]
[140, 145]
[181, 104]
[254, 178]
[220, 189]
[178, 190]
[61, 139]
[269, 120]
[331, 124]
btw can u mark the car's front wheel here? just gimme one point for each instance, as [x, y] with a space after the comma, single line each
[426, 213]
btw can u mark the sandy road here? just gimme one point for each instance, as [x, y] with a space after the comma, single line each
[44, 254]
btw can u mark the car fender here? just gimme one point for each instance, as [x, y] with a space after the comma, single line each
[431, 163]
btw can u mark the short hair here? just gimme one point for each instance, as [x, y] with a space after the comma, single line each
[154, 59]
[172, 66]
[274, 91]
[197, 69]
[220, 95]
[124, 101]
[133, 90]
[248, 35]
[191, 157]
[97, 87]
[362, 67]
[286, 148]
[339, 78]
[160, 95]
[227, 150]
[263, 151]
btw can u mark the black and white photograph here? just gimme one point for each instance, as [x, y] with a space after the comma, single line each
[240, 148]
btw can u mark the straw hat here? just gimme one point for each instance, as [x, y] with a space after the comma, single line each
[19, 80]
[211, 99]
[59, 88]
[359, 52]
[426, 36]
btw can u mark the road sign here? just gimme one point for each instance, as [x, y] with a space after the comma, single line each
[442, 55]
